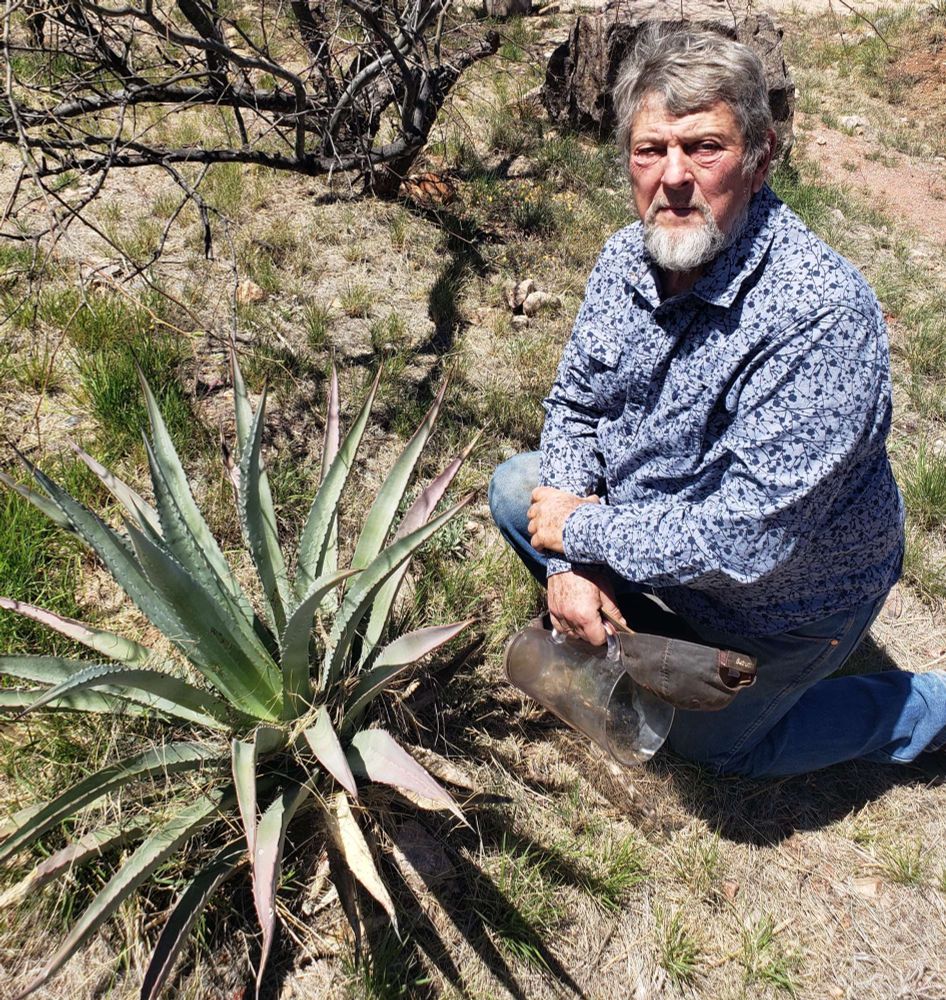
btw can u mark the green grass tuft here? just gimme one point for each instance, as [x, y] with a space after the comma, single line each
[904, 863]
[38, 564]
[109, 382]
[923, 482]
[764, 961]
[317, 320]
[678, 952]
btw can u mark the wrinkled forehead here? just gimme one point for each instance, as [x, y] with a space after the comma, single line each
[656, 116]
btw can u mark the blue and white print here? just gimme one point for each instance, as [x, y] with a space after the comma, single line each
[737, 430]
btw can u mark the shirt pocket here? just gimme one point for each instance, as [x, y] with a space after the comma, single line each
[600, 342]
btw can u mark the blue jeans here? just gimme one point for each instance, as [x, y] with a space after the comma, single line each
[796, 717]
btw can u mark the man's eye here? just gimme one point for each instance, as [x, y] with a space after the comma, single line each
[646, 154]
[705, 151]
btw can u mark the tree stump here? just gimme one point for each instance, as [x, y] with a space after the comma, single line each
[502, 9]
[581, 71]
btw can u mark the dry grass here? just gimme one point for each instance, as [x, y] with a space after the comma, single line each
[575, 874]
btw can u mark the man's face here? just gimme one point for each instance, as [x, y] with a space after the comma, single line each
[688, 181]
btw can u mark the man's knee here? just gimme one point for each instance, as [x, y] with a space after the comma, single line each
[510, 489]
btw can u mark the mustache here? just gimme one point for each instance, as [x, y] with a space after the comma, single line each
[661, 201]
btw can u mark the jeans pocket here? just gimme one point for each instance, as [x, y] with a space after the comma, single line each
[828, 630]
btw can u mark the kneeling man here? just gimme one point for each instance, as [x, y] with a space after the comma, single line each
[715, 436]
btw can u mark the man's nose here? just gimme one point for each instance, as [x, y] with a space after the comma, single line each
[677, 172]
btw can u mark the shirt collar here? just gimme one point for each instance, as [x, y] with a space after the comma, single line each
[728, 272]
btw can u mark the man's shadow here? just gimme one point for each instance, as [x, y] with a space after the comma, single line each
[767, 811]
[757, 811]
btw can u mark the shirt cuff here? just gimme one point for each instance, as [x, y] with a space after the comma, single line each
[556, 566]
[585, 533]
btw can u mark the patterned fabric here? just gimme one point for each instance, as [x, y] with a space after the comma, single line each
[737, 430]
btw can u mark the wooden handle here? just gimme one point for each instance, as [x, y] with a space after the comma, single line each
[615, 623]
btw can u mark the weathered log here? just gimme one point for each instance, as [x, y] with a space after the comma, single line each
[502, 9]
[581, 71]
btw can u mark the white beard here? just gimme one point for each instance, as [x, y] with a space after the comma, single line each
[687, 248]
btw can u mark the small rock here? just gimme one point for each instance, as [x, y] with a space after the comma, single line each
[521, 166]
[836, 214]
[517, 293]
[868, 887]
[853, 122]
[248, 291]
[939, 159]
[939, 447]
[537, 301]
[519, 322]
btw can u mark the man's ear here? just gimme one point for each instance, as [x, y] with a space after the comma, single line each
[762, 170]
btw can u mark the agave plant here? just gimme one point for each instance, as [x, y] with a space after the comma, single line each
[263, 694]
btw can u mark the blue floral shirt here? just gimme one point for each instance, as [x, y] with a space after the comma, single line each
[738, 430]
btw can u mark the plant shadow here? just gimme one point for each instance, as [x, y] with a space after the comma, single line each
[471, 907]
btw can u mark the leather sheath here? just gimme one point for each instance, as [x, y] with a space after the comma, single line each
[688, 675]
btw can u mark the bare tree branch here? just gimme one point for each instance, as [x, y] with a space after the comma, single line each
[314, 86]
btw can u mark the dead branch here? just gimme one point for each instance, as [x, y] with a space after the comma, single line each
[314, 87]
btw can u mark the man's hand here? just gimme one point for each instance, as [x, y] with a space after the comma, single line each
[547, 516]
[575, 602]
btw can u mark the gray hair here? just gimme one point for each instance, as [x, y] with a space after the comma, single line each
[690, 70]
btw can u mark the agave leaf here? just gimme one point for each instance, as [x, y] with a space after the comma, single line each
[188, 907]
[378, 521]
[115, 647]
[313, 545]
[176, 479]
[417, 514]
[258, 520]
[244, 757]
[91, 845]
[134, 504]
[351, 843]
[151, 854]
[420, 510]
[171, 759]
[267, 860]
[174, 694]
[206, 636]
[330, 443]
[42, 669]
[294, 660]
[15, 699]
[344, 883]
[329, 753]
[190, 551]
[366, 586]
[56, 670]
[396, 657]
[331, 437]
[40, 502]
[241, 401]
[374, 754]
[12, 823]
[117, 556]
[185, 547]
